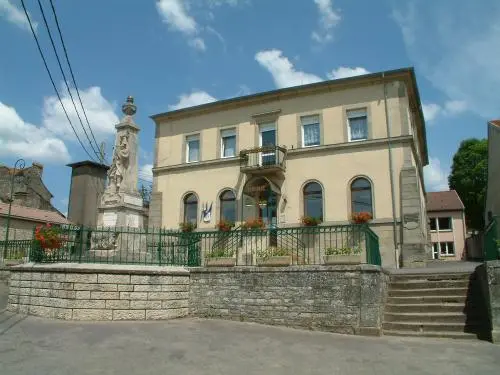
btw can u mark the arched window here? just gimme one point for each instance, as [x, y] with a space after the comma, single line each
[227, 206]
[190, 208]
[313, 200]
[361, 196]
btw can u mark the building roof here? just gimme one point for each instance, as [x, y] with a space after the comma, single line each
[495, 122]
[33, 214]
[444, 201]
[88, 163]
[405, 74]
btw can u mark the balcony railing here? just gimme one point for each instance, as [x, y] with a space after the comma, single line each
[266, 158]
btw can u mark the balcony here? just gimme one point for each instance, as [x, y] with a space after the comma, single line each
[263, 159]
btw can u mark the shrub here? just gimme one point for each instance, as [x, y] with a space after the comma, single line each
[273, 252]
[361, 217]
[310, 221]
[253, 224]
[220, 253]
[48, 237]
[187, 226]
[343, 251]
[224, 225]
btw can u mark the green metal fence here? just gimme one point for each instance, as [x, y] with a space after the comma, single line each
[491, 239]
[303, 245]
[15, 249]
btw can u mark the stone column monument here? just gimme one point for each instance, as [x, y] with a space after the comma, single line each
[121, 208]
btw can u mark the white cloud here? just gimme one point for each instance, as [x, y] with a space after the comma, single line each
[436, 179]
[100, 113]
[344, 72]
[462, 60]
[22, 139]
[146, 172]
[329, 18]
[193, 99]
[283, 72]
[175, 14]
[432, 111]
[15, 15]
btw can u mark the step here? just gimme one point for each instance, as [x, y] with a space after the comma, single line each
[425, 317]
[425, 284]
[425, 292]
[437, 334]
[427, 299]
[431, 277]
[426, 327]
[425, 308]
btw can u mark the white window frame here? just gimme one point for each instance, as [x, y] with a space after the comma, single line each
[302, 129]
[263, 127]
[349, 124]
[435, 219]
[191, 138]
[446, 254]
[231, 132]
[437, 224]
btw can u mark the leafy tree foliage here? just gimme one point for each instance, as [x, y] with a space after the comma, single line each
[469, 177]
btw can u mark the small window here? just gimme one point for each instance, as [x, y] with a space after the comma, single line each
[190, 208]
[361, 196]
[444, 223]
[433, 223]
[313, 200]
[447, 248]
[228, 143]
[358, 124]
[192, 148]
[310, 130]
[228, 206]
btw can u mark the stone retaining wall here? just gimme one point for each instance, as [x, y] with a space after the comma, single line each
[493, 283]
[99, 292]
[4, 274]
[343, 299]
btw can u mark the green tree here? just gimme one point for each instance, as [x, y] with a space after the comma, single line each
[469, 177]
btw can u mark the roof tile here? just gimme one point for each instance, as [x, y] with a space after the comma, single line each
[33, 214]
[444, 201]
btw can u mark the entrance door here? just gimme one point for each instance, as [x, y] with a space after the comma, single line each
[268, 208]
[268, 139]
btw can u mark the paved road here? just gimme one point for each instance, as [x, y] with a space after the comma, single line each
[195, 346]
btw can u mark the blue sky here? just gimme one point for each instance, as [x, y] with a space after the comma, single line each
[174, 53]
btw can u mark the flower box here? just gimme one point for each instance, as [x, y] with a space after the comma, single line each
[275, 261]
[220, 262]
[342, 259]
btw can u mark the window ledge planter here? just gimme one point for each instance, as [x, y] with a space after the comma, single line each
[275, 261]
[341, 259]
[220, 262]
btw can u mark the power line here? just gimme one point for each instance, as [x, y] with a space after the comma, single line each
[66, 81]
[51, 79]
[72, 75]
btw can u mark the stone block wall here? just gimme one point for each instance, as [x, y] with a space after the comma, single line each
[493, 282]
[99, 292]
[343, 299]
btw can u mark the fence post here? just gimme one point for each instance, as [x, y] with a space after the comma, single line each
[159, 246]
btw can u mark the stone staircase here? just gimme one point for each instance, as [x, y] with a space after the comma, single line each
[435, 304]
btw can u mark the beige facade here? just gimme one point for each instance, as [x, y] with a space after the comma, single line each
[448, 235]
[389, 155]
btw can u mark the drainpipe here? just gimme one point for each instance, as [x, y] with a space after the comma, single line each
[391, 174]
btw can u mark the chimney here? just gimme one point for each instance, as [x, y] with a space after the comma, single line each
[38, 168]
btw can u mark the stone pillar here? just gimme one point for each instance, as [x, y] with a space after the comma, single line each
[155, 207]
[87, 186]
[413, 239]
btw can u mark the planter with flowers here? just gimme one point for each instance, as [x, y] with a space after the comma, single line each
[344, 255]
[48, 243]
[224, 225]
[310, 221]
[187, 227]
[361, 217]
[253, 224]
[274, 257]
[220, 257]
[309, 233]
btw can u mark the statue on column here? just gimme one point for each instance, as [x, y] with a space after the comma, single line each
[119, 164]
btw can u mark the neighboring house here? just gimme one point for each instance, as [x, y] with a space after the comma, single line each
[446, 214]
[23, 220]
[493, 190]
[29, 189]
[326, 150]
